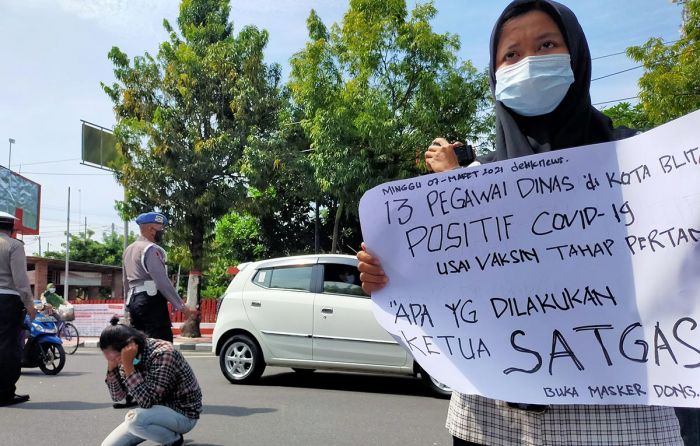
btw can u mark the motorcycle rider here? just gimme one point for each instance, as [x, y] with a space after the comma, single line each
[50, 297]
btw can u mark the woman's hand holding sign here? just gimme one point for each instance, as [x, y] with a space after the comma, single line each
[371, 273]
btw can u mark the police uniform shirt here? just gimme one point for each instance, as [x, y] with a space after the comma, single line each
[143, 261]
[13, 269]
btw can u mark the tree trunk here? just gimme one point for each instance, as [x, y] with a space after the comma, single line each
[190, 329]
[336, 227]
[317, 229]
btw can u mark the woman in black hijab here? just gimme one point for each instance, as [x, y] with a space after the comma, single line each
[540, 73]
[574, 122]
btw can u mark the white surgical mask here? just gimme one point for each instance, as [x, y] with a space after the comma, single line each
[536, 85]
[52, 290]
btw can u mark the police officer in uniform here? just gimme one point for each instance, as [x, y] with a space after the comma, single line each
[146, 285]
[15, 300]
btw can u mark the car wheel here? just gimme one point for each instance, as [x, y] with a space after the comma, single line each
[303, 372]
[438, 389]
[241, 360]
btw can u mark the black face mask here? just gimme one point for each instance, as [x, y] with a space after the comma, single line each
[158, 237]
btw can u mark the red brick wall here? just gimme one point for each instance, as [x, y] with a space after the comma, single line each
[41, 271]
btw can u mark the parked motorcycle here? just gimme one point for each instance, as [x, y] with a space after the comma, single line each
[43, 348]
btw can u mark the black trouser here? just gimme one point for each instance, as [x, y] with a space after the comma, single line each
[459, 442]
[11, 315]
[150, 315]
[689, 419]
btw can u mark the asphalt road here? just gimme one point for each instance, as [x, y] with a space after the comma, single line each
[325, 408]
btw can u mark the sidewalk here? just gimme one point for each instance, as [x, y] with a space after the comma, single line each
[202, 344]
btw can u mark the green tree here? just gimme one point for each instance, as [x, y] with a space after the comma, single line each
[277, 220]
[284, 194]
[237, 239]
[628, 115]
[84, 249]
[670, 85]
[374, 91]
[184, 118]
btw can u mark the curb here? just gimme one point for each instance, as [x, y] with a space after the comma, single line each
[200, 347]
[204, 347]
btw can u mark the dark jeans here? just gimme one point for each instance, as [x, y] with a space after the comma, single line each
[150, 315]
[11, 314]
[459, 442]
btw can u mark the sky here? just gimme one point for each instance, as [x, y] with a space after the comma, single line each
[53, 56]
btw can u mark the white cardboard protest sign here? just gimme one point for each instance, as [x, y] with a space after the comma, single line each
[570, 277]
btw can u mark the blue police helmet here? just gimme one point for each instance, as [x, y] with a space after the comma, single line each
[151, 217]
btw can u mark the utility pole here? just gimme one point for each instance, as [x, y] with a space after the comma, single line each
[39, 237]
[126, 234]
[85, 235]
[317, 228]
[9, 158]
[65, 280]
[126, 226]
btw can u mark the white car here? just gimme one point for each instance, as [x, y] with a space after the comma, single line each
[305, 312]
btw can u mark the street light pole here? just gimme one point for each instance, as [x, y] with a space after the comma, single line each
[9, 159]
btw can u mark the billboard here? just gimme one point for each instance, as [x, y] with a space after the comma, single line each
[99, 147]
[20, 197]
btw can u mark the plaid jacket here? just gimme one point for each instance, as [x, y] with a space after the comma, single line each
[162, 378]
[493, 423]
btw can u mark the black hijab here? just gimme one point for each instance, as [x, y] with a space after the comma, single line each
[575, 122]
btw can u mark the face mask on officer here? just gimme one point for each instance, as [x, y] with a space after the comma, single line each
[158, 236]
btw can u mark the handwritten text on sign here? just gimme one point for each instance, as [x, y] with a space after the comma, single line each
[571, 277]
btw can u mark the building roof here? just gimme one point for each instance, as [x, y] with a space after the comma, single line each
[73, 265]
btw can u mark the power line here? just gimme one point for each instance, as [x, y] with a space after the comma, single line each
[616, 100]
[617, 72]
[609, 55]
[48, 162]
[628, 69]
[68, 174]
[57, 209]
[78, 225]
[625, 51]
[691, 50]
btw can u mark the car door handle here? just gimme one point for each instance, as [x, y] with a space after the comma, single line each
[255, 303]
[327, 310]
